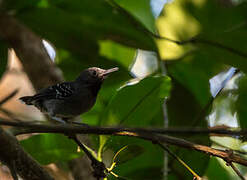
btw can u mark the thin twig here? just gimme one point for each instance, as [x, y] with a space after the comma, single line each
[237, 171]
[234, 150]
[218, 45]
[8, 97]
[18, 161]
[17, 35]
[195, 40]
[98, 166]
[9, 114]
[180, 161]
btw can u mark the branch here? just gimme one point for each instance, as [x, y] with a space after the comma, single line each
[76, 129]
[98, 166]
[31, 52]
[142, 133]
[218, 45]
[196, 176]
[192, 40]
[195, 40]
[12, 154]
[36, 62]
[237, 171]
[8, 97]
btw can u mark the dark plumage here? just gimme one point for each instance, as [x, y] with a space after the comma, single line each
[69, 99]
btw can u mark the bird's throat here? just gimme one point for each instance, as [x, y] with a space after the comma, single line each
[95, 87]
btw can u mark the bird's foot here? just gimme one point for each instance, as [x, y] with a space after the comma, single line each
[57, 119]
[81, 124]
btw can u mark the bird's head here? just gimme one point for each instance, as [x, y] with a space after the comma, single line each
[95, 74]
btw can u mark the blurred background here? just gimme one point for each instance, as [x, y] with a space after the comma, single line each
[182, 64]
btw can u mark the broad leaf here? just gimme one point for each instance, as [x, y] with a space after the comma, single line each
[221, 38]
[151, 158]
[183, 110]
[71, 24]
[141, 10]
[50, 148]
[117, 52]
[215, 170]
[212, 45]
[137, 104]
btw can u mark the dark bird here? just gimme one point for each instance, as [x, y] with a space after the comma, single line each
[67, 100]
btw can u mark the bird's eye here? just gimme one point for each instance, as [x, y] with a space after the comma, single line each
[94, 73]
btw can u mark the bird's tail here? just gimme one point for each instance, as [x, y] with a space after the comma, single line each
[28, 100]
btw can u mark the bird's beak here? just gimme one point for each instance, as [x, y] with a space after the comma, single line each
[108, 71]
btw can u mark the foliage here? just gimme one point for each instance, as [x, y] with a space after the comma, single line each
[106, 33]
[49, 148]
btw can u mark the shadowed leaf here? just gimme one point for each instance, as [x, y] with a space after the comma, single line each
[50, 148]
[127, 153]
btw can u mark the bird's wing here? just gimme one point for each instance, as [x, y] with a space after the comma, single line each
[58, 91]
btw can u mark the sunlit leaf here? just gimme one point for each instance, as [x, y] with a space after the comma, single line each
[141, 10]
[117, 52]
[197, 62]
[215, 170]
[220, 38]
[174, 25]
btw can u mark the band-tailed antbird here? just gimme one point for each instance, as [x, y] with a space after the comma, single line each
[67, 100]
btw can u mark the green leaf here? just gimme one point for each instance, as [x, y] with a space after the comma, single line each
[50, 148]
[142, 103]
[140, 163]
[194, 73]
[117, 52]
[19, 5]
[183, 109]
[220, 39]
[203, 58]
[153, 172]
[127, 153]
[71, 24]
[215, 170]
[141, 10]
[140, 98]
[137, 104]
[241, 102]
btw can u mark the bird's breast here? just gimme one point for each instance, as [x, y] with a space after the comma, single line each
[72, 106]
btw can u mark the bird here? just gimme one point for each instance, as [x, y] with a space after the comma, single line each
[64, 101]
